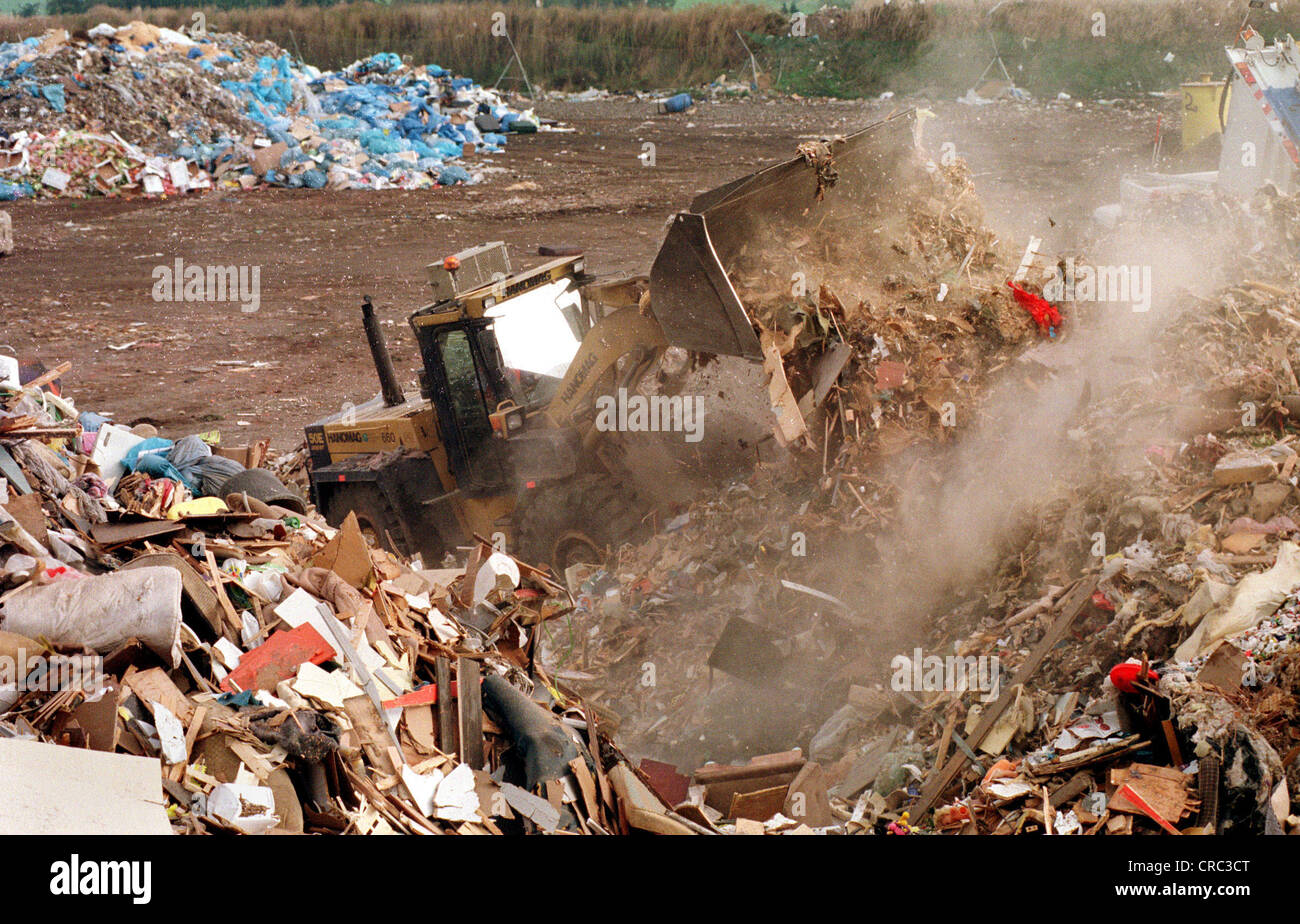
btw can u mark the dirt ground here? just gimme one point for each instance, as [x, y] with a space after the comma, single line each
[79, 285]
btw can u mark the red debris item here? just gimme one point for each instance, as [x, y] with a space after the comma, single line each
[1123, 675]
[1159, 454]
[425, 696]
[951, 816]
[890, 375]
[1002, 769]
[1040, 309]
[642, 588]
[1102, 602]
[669, 784]
[278, 659]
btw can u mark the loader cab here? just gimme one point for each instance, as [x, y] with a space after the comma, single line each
[494, 355]
[464, 392]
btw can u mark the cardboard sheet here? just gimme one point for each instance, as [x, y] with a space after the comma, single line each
[51, 789]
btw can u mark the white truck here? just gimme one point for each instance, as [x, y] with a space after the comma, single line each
[1261, 133]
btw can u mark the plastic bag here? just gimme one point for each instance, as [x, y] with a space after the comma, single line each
[103, 612]
[203, 473]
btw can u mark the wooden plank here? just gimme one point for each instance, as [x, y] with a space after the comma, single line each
[1128, 793]
[112, 534]
[1076, 785]
[42, 433]
[47, 378]
[196, 724]
[220, 589]
[446, 713]
[1162, 789]
[1098, 753]
[587, 786]
[419, 725]
[470, 699]
[154, 685]
[425, 696]
[759, 805]
[390, 806]
[721, 796]
[252, 758]
[762, 766]
[372, 733]
[1072, 604]
[602, 780]
[946, 739]
[807, 799]
[640, 806]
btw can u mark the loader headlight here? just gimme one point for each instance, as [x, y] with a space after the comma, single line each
[579, 265]
[507, 420]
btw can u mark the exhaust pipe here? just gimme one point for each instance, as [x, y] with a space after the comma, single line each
[379, 351]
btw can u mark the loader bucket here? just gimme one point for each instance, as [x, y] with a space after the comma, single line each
[748, 239]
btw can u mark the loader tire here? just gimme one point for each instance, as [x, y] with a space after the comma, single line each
[582, 520]
[380, 523]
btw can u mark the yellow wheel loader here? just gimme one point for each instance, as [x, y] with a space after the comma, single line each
[501, 440]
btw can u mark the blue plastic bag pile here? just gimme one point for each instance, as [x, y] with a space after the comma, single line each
[375, 123]
[378, 123]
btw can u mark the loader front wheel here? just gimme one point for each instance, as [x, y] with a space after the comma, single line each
[581, 521]
[575, 547]
[382, 526]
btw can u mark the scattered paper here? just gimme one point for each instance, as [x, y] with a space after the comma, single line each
[1009, 789]
[1103, 726]
[251, 809]
[301, 607]
[330, 687]
[229, 652]
[171, 733]
[457, 799]
[423, 787]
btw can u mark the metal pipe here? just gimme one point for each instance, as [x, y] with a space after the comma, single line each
[379, 350]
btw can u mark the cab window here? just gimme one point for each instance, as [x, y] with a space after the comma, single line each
[466, 388]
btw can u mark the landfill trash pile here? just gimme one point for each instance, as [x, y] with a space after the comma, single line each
[179, 626]
[1140, 629]
[883, 371]
[1158, 691]
[910, 341]
[145, 110]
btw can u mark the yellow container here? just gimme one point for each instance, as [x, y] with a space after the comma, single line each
[1201, 109]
